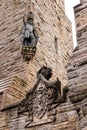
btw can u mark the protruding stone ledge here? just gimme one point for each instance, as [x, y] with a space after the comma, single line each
[9, 107]
[77, 98]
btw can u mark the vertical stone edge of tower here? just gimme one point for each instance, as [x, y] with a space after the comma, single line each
[77, 67]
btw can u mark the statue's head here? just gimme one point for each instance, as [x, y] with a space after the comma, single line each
[30, 16]
[46, 72]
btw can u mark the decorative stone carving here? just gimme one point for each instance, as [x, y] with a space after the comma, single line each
[29, 36]
[41, 101]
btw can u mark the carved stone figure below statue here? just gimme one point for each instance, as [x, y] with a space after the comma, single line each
[41, 101]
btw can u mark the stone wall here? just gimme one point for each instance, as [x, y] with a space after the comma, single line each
[54, 55]
[66, 119]
[77, 70]
[69, 115]
[77, 67]
[61, 4]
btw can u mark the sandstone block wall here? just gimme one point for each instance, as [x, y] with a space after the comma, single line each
[71, 115]
[66, 119]
[50, 21]
[77, 70]
[61, 4]
[77, 67]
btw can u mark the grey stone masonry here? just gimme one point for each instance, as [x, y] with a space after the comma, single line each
[77, 67]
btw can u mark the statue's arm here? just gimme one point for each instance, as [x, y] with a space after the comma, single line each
[33, 89]
[24, 20]
[23, 30]
[35, 32]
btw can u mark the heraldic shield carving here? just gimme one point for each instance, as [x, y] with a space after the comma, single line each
[41, 102]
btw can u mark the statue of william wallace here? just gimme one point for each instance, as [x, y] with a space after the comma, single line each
[29, 33]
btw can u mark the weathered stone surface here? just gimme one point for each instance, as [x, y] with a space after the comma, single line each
[57, 24]
[11, 23]
[77, 67]
[64, 120]
[13, 89]
[68, 116]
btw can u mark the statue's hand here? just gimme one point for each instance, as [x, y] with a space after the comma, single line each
[39, 76]
[57, 79]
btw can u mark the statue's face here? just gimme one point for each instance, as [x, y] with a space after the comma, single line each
[46, 72]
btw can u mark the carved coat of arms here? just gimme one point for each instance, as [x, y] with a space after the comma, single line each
[39, 102]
